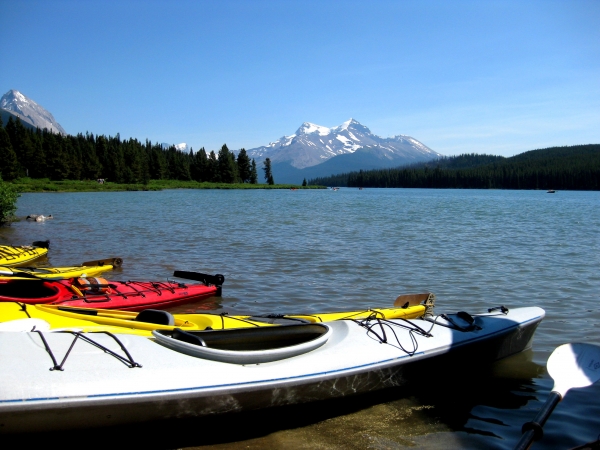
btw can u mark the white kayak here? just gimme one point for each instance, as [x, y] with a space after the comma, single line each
[105, 380]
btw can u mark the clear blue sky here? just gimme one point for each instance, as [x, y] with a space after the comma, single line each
[497, 77]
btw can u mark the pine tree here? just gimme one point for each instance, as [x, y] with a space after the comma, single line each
[253, 173]
[55, 158]
[37, 162]
[212, 168]
[244, 167]
[90, 164]
[267, 170]
[199, 166]
[23, 147]
[157, 162]
[304, 183]
[226, 166]
[9, 168]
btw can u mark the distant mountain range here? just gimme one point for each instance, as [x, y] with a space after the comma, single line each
[32, 115]
[312, 151]
[317, 151]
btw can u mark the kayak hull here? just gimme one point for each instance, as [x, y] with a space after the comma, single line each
[96, 390]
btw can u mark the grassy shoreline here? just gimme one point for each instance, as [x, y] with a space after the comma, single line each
[27, 185]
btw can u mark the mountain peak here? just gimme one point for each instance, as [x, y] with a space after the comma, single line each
[13, 96]
[310, 128]
[348, 123]
[29, 111]
[314, 144]
[353, 125]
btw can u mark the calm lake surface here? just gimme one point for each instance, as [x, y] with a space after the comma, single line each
[285, 251]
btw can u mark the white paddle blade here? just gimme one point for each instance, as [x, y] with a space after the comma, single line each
[573, 366]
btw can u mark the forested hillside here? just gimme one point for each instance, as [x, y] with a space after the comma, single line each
[566, 168]
[42, 154]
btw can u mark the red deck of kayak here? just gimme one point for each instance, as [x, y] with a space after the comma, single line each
[125, 295]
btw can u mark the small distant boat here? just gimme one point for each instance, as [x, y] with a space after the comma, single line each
[551, 191]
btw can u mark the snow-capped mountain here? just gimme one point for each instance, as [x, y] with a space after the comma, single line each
[29, 112]
[183, 147]
[312, 145]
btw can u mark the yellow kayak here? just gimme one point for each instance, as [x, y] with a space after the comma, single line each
[89, 319]
[14, 256]
[87, 269]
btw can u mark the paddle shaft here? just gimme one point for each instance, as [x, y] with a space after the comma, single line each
[532, 431]
[217, 279]
[116, 262]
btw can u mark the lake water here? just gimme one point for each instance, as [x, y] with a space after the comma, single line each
[285, 251]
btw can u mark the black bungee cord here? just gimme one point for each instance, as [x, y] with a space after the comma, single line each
[372, 321]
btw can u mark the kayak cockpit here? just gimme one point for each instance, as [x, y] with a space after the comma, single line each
[246, 345]
[23, 290]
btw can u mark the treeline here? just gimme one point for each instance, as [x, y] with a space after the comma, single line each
[43, 154]
[565, 168]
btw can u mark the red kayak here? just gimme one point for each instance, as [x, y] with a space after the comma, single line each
[101, 293]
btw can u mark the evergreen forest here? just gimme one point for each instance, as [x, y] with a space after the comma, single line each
[25, 152]
[40, 154]
[565, 168]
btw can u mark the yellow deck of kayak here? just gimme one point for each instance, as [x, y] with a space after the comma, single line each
[87, 269]
[60, 317]
[90, 319]
[411, 312]
[52, 273]
[14, 256]
[15, 311]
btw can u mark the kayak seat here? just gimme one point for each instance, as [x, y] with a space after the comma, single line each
[156, 316]
[190, 338]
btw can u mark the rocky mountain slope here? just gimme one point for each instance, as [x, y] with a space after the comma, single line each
[32, 114]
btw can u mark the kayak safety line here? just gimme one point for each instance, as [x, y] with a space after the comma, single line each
[129, 362]
[98, 297]
[372, 315]
[372, 321]
[222, 315]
